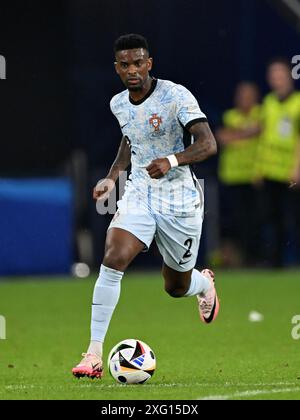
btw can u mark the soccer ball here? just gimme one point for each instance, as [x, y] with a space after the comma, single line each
[131, 362]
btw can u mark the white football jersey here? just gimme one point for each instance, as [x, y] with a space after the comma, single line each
[156, 127]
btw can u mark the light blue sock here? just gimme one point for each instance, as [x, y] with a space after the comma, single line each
[106, 296]
[199, 284]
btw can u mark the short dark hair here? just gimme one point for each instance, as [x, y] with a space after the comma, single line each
[279, 60]
[130, 42]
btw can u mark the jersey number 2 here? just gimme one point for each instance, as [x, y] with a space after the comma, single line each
[188, 243]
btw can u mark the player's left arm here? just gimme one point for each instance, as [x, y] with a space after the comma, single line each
[204, 146]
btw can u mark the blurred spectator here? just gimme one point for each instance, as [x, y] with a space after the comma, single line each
[279, 159]
[236, 173]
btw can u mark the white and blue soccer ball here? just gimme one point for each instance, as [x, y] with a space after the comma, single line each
[131, 362]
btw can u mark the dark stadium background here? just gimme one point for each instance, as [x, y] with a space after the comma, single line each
[55, 119]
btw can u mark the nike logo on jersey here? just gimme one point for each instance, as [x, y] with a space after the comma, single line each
[124, 126]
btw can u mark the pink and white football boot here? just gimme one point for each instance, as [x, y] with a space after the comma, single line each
[90, 366]
[209, 304]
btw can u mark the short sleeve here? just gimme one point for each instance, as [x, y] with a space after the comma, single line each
[118, 109]
[188, 110]
[112, 106]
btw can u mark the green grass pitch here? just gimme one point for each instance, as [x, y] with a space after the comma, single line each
[47, 323]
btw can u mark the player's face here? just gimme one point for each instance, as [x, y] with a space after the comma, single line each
[133, 67]
[279, 77]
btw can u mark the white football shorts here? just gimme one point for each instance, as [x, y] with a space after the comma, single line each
[177, 237]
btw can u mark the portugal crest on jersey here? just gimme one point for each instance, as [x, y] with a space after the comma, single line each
[155, 121]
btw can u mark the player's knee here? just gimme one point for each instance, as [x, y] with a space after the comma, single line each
[116, 259]
[175, 292]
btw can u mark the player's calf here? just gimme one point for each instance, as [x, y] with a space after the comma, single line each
[176, 283]
[175, 292]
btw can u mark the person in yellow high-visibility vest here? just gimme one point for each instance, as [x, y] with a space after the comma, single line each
[278, 162]
[277, 165]
[237, 174]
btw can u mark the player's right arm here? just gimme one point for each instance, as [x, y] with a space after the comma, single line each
[121, 163]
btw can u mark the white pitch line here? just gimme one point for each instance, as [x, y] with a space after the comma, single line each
[94, 385]
[250, 394]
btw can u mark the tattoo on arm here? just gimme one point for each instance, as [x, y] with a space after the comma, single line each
[204, 145]
[122, 160]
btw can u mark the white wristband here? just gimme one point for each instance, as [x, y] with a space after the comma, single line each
[173, 161]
